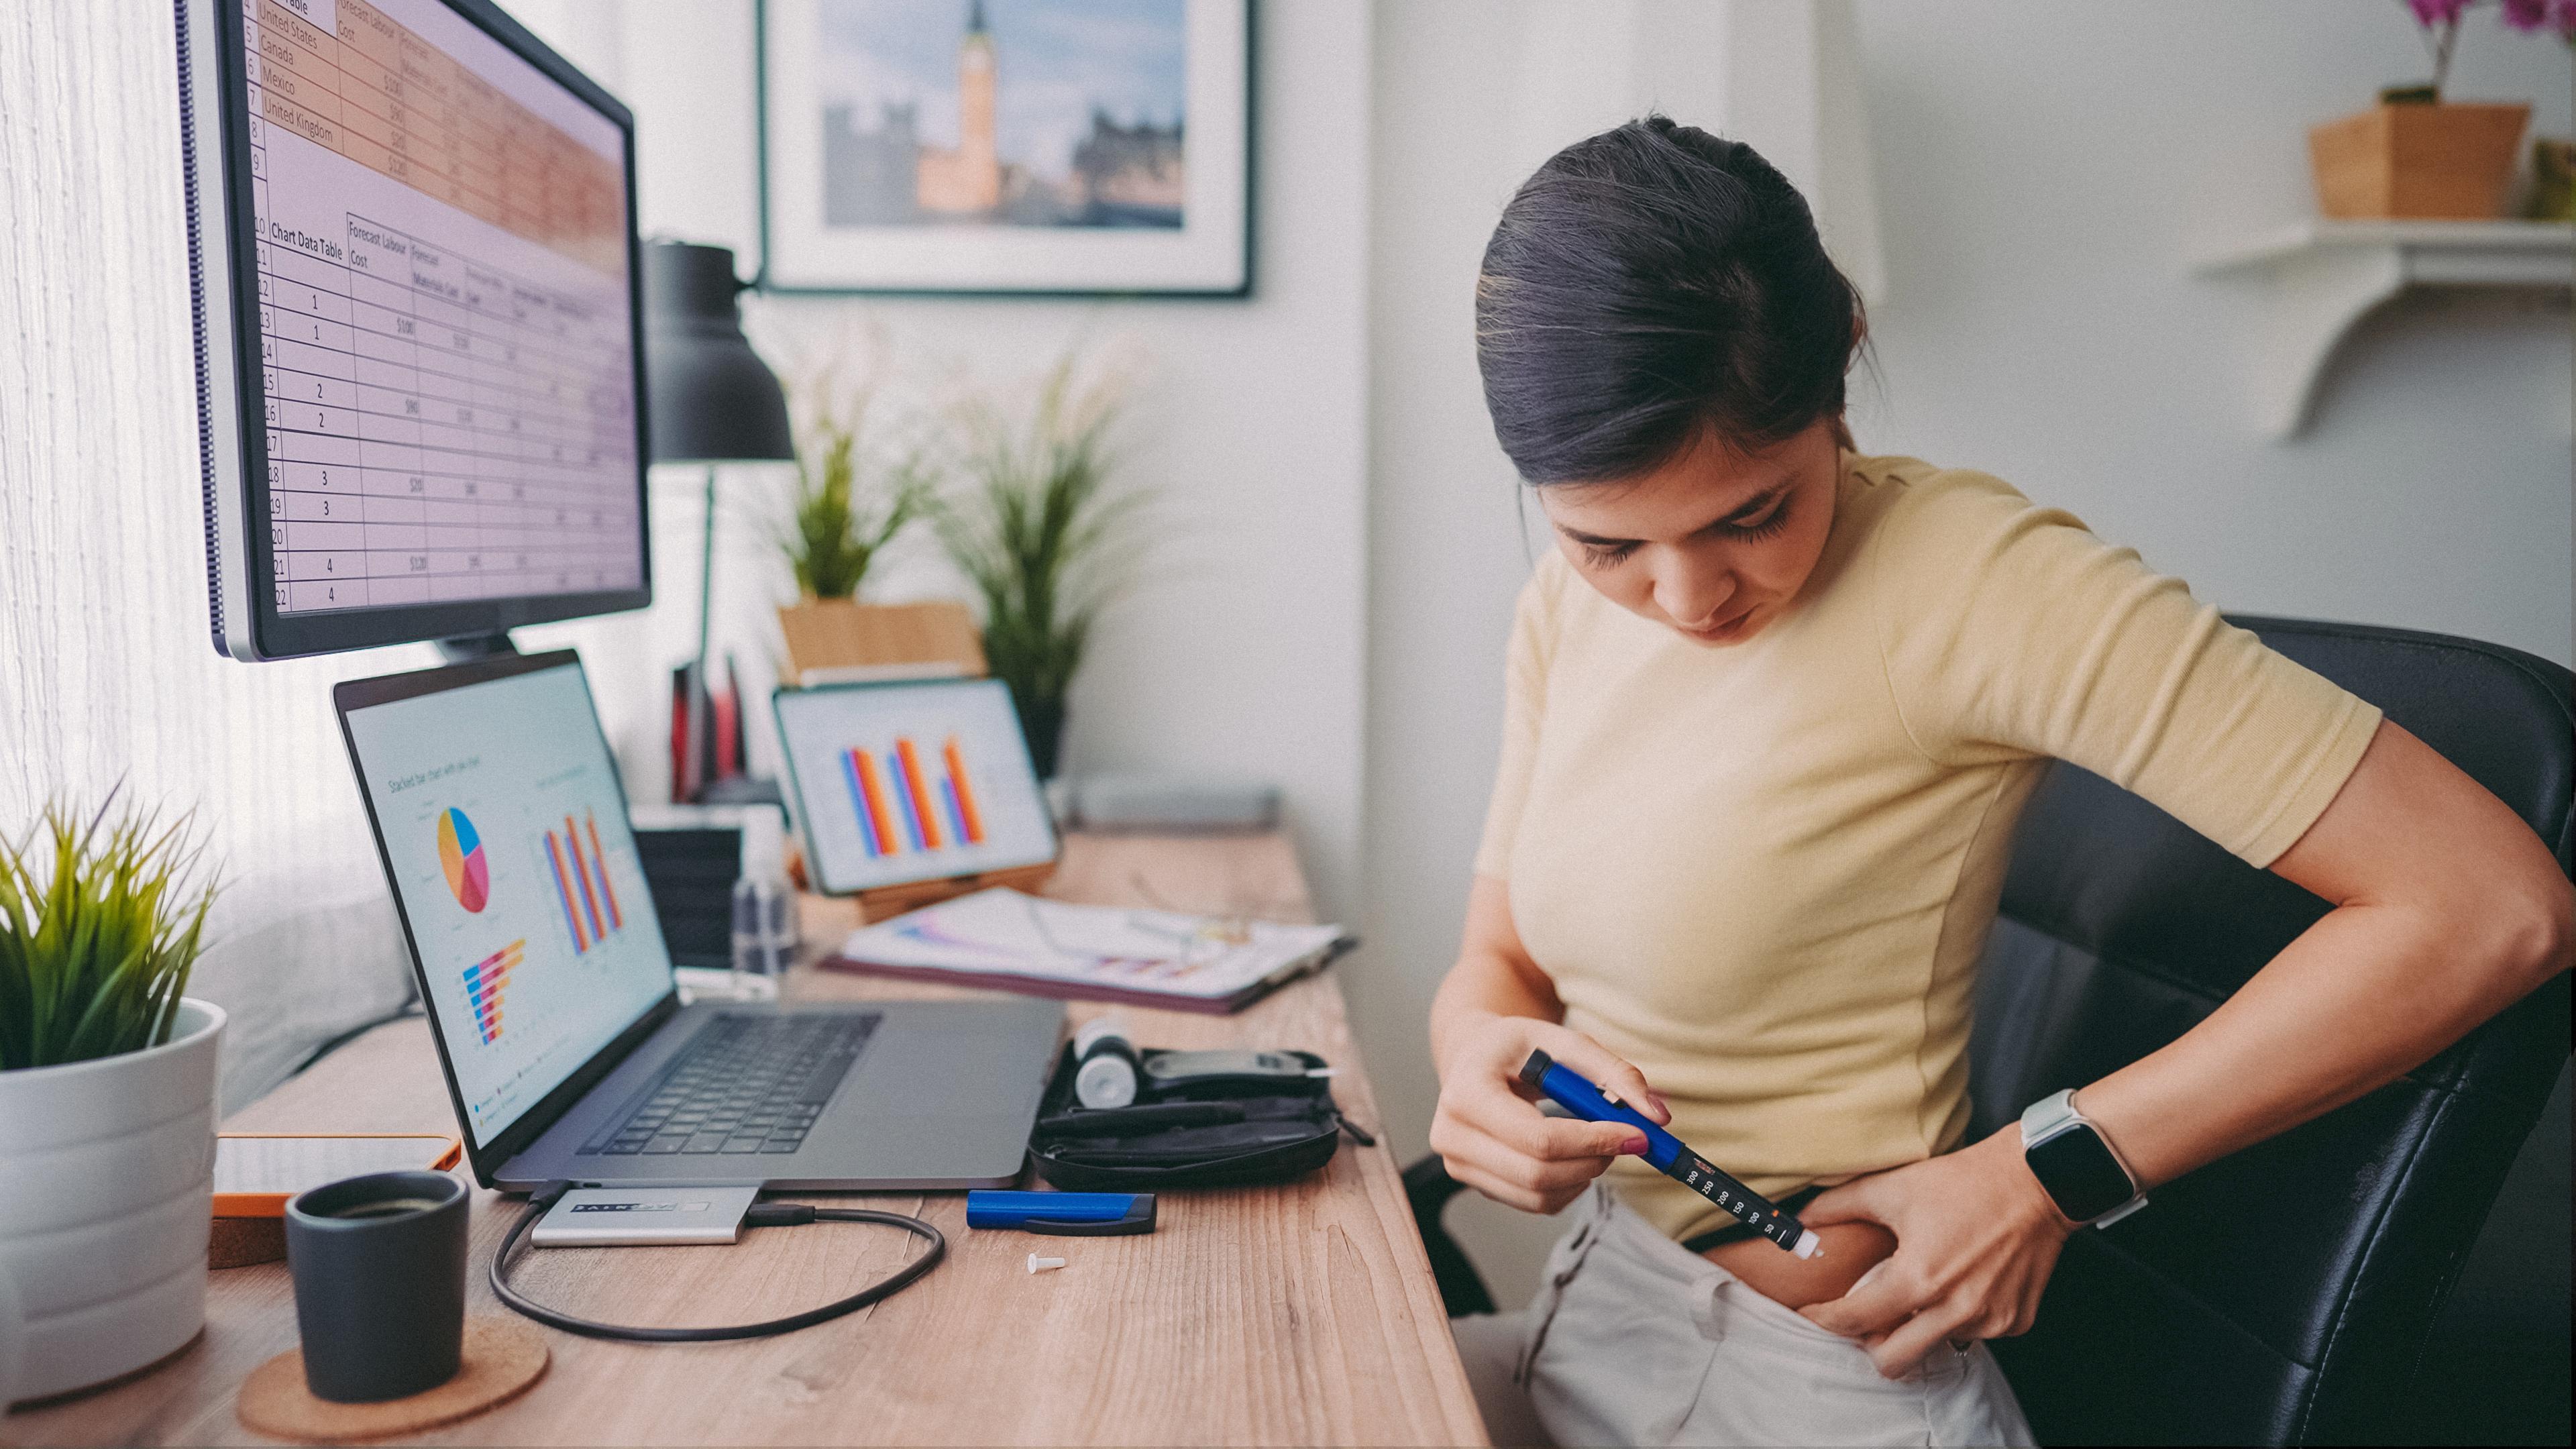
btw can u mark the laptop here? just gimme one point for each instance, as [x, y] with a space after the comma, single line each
[569, 1057]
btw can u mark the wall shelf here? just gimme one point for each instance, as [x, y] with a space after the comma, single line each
[2322, 277]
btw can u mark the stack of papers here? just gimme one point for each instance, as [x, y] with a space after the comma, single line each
[1003, 939]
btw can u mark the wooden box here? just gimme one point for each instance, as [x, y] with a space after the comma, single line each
[2417, 162]
[841, 634]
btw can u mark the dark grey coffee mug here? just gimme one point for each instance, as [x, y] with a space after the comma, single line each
[379, 1264]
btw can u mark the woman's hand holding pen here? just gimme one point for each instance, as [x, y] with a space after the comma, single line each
[1976, 1238]
[1491, 1136]
[1493, 1009]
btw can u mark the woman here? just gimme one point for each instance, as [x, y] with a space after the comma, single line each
[1773, 708]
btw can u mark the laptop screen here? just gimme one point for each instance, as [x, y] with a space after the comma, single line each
[504, 829]
[911, 781]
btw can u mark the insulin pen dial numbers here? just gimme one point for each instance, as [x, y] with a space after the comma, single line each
[1701, 1178]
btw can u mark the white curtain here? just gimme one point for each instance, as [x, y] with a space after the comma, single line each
[108, 677]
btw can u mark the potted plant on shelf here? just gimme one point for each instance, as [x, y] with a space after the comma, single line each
[849, 503]
[2553, 158]
[107, 1098]
[2417, 155]
[1045, 540]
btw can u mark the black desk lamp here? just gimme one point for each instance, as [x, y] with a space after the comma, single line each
[710, 400]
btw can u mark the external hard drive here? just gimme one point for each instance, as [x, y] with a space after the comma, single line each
[608, 1217]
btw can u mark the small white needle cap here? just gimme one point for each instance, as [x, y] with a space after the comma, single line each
[1043, 1265]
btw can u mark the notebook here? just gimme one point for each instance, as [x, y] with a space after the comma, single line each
[1008, 941]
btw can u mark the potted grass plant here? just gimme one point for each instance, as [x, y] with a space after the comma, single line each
[1044, 538]
[2418, 154]
[849, 502]
[107, 1097]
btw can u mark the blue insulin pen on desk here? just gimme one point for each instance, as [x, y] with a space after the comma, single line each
[1063, 1214]
[1666, 1154]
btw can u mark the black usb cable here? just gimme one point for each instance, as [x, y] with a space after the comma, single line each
[762, 1215]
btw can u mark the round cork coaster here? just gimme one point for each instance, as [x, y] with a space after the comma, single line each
[502, 1357]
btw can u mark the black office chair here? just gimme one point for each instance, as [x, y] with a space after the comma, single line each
[2283, 1295]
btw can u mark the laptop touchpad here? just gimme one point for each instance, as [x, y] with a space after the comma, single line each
[930, 1070]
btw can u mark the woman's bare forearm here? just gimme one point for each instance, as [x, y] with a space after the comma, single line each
[1493, 1009]
[2354, 1003]
[2451, 910]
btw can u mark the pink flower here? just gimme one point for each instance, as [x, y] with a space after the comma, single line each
[2533, 16]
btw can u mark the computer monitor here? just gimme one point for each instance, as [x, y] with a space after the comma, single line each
[412, 234]
[498, 813]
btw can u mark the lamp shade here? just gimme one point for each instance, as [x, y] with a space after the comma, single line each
[708, 396]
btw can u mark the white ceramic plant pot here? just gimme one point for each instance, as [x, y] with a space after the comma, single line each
[106, 1196]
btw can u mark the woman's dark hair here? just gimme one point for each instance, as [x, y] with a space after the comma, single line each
[1650, 283]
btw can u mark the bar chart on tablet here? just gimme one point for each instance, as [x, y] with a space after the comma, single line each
[907, 797]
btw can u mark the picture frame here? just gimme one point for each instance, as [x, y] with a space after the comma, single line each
[1006, 147]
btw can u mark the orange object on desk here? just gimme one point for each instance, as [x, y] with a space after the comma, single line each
[256, 1172]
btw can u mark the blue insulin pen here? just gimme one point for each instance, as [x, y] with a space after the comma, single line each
[1666, 1154]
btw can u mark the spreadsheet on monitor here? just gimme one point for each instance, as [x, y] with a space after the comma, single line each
[445, 318]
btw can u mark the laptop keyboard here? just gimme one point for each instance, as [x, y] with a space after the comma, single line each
[746, 1084]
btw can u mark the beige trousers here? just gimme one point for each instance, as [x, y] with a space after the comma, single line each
[1633, 1339]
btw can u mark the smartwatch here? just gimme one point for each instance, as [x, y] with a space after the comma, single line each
[2075, 1163]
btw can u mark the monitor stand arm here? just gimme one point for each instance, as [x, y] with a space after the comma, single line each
[466, 648]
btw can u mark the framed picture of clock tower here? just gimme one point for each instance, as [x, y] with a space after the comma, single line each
[1006, 146]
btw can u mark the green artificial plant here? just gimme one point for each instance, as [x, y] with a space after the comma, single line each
[838, 519]
[99, 925]
[1044, 539]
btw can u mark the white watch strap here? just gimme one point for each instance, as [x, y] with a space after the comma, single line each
[2047, 1115]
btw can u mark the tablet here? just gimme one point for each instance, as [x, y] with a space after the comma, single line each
[911, 780]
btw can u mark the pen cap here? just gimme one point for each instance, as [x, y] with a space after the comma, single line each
[1534, 1071]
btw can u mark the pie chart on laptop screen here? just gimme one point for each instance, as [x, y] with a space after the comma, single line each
[460, 854]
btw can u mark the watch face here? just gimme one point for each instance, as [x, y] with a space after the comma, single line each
[2079, 1171]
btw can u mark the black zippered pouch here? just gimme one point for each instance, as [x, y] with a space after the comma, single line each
[1266, 1132]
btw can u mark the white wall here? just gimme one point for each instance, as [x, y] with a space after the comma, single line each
[2044, 174]
[1446, 551]
[1243, 652]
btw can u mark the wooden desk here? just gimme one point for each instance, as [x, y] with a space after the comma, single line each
[1303, 1313]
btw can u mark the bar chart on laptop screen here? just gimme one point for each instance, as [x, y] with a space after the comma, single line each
[444, 314]
[508, 846]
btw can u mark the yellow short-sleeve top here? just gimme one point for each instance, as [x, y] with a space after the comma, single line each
[1765, 873]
